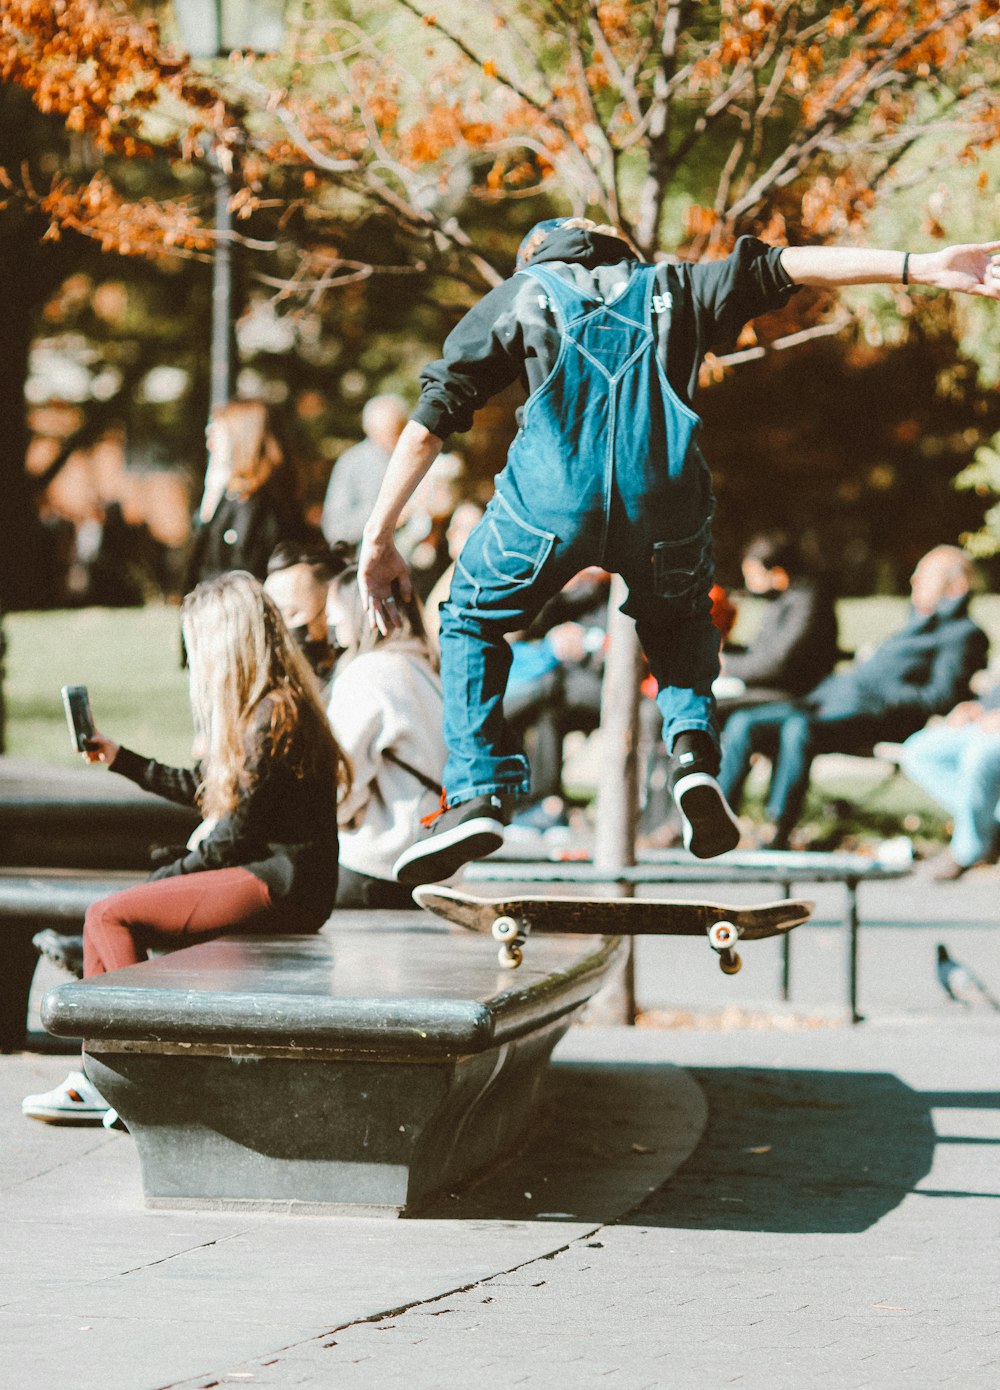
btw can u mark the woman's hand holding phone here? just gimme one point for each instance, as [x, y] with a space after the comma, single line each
[98, 749]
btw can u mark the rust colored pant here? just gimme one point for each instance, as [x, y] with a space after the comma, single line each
[175, 912]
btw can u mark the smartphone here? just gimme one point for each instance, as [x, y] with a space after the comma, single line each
[79, 717]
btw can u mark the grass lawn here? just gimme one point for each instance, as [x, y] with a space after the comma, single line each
[129, 658]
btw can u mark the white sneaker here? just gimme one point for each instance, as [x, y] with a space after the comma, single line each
[75, 1102]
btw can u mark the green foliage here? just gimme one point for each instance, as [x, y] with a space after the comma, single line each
[983, 477]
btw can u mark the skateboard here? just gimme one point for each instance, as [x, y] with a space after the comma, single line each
[509, 920]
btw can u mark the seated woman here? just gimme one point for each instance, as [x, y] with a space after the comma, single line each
[386, 711]
[265, 858]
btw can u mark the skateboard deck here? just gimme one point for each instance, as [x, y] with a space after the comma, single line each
[509, 920]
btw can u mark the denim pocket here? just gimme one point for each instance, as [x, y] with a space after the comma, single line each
[683, 569]
[513, 551]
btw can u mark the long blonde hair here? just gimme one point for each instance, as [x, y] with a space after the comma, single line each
[240, 651]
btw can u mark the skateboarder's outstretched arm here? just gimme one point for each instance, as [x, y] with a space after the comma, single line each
[972, 269]
[379, 562]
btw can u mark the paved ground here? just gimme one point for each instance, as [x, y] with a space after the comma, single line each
[774, 1207]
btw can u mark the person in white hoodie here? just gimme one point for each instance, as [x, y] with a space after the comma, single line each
[385, 707]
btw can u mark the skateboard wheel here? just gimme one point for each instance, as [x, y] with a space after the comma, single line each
[506, 929]
[722, 935]
[731, 963]
[510, 957]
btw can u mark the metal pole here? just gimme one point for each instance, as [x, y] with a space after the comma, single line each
[786, 952]
[222, 359]
[852, 947]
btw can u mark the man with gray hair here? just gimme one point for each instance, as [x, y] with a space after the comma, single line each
[358, 473]
[922, 669]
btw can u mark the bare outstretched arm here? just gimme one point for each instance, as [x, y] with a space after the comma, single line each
[973, 269]
[380, 564]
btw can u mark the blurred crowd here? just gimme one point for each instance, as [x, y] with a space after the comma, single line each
[785, 697]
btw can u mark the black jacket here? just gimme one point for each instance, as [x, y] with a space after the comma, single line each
[922, 669]
[283, 828]
[796, 644]
[242, 534]
[510, 334]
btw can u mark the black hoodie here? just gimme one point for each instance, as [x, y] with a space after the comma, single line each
[511, 334]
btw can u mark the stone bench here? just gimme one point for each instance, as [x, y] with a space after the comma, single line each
[364, 1069]
[80, 818]
[782, 867]
[31, 900]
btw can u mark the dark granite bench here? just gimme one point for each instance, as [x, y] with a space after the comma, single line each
[30, 901]
[365, 1069]
[782, 867]
[80, 818]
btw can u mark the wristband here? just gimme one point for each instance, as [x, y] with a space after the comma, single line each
[906, 268]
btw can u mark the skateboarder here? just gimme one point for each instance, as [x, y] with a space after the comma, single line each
[606, 470]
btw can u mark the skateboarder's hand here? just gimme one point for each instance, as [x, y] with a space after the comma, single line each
[965, 269]
[384, 581]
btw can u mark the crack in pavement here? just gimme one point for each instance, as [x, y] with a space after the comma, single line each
[101, 1142]
[176, 1254]
[201, 1382]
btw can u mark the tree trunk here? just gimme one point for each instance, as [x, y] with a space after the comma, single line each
[24, 560]
[617, 797]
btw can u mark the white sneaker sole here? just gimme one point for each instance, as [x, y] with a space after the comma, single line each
[52, 1115]
[707, 821]
[441, 855]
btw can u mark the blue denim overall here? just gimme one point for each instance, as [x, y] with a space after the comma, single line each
[605, 470]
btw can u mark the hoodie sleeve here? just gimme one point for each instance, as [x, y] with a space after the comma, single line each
[727, 294]
[482, 354]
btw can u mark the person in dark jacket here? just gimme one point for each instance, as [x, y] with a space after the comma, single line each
[248, 506]
[796, 643]
[922, 669]
[265, 857]
[605, 470]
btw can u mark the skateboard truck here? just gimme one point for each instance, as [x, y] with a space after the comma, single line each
[512, 933]
[722, 936]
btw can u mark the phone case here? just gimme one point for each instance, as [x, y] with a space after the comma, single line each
[78, 715]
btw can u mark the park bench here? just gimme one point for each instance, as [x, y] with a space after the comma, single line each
[67, 837]
[364, 1069]
[78, 819]
[30, 901]
[782, 867]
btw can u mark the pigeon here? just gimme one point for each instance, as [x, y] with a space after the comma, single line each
[959, 982]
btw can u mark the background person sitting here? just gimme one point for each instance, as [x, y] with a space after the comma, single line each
[796, 643]
[298, 579]
[265, 857]
[923, 669]
[386, 710]
[958, 763]
[248, 505]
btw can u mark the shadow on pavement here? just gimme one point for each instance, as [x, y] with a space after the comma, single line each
[803, 1152]
[604, 1137]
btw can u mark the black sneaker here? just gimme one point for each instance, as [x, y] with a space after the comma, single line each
[708, 825]
[470, 830]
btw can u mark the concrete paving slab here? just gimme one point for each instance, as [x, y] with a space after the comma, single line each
[134, 1299]
[836, 1225]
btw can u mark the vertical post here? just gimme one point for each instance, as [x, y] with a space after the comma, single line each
[617, 795]
[786, 952]
[852, 947]
[222, 359]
